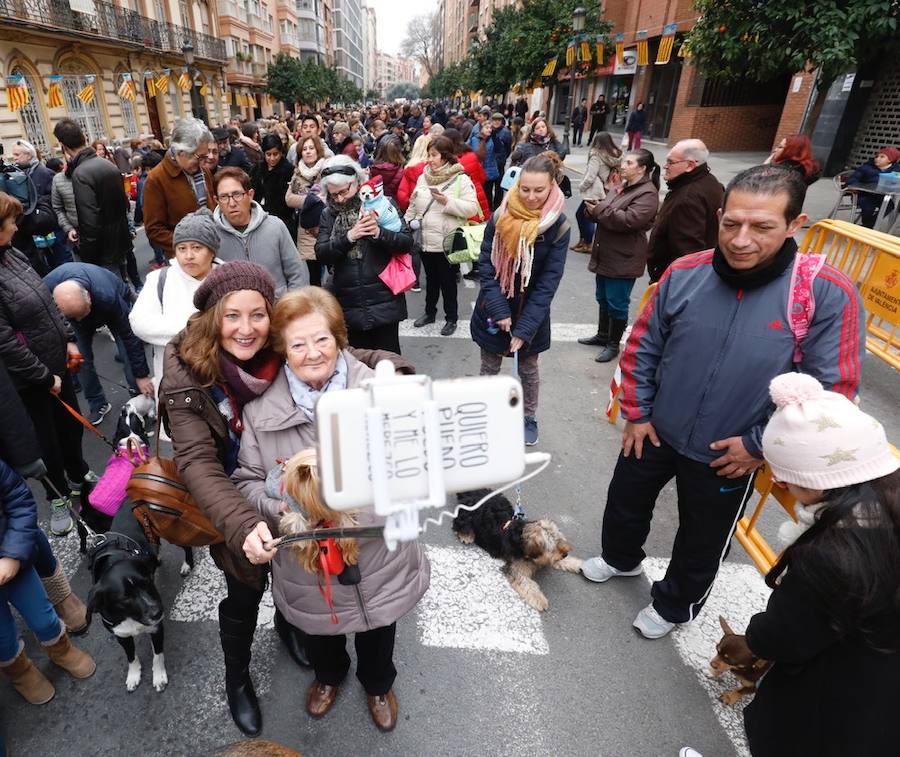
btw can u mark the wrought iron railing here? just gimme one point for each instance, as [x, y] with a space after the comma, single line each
[111, 22]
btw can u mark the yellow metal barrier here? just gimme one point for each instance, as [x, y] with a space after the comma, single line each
[615, 385]
[871, 260]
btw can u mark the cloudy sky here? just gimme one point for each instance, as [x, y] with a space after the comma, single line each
[393, 16]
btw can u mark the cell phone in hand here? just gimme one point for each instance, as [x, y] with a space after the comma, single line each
[434, 190]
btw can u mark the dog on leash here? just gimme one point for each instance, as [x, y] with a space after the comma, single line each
[732, 653]
[124, 594]
[525, 546]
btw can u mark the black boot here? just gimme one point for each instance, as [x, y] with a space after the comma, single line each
[602, 336]
[611, 351]
[237, 636]
[293, 639]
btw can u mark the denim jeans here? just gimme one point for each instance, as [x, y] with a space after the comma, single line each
[615, 294]
[90, 382]
[27, 594]
[585, 225]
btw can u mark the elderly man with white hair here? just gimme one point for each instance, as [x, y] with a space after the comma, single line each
[90, 297]
[179, 184]
[688, 219]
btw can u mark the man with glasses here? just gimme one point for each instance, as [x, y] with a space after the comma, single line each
[180, 184]
[247, 232]
[687, 221]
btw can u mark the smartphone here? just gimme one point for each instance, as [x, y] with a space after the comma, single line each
[434, 190]
[480, 426]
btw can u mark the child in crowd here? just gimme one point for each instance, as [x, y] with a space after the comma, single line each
[21, 588]
[832, 625]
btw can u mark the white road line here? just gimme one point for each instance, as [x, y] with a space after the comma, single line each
[560, 332]
[739, 593]
[470, 605]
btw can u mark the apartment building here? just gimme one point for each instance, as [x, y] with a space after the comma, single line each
[348, 40]
[460, 28]
[393, 69]
[370, 48]
[92, 48]
[315, 30]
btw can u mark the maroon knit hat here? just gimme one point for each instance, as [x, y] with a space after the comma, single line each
[891, 153]
[233, 277]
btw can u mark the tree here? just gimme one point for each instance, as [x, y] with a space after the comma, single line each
[420, 42]
[405, 89]
[762, 40]
[373, 94]
[308, 82]
[283, 78]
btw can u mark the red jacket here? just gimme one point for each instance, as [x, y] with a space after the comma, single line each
[474, 170]
[411, 175]
[391, 176]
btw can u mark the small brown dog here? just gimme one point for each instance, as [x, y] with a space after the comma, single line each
[732, 653]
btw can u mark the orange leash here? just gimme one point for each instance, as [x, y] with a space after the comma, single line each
[85, 422]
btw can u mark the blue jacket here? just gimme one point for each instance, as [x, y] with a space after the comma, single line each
[489, 161]
[502, 139]
[110, 306]
[18, 517]
[701, 354]
[533, 325]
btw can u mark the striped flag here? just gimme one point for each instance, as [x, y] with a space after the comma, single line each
[204, 89]
[54, 92]
[16, 92]
[549, 69]
[584, 49]
[666, 44]
[127, 88]
[151, 83]
[643, 52]
[86, 95]
[184, 80]
[615, 387]
[570, 53]
[598, 44]
[620, 48]
[162, 81]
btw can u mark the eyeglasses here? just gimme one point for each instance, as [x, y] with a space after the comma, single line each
[342, 194]
[670, 162]
[231, 197]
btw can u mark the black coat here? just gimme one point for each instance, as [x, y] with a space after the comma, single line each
[531, 319]
[103, 234]
[18, 441]
[33, 333]
[637, 120]
[826, 695]
[366, 299]
[269, 189]
[236, 158]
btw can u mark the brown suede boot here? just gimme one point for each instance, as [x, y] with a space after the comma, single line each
[77, 663]
[27, 679]
[68, 606]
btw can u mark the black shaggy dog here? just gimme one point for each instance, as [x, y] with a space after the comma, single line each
[525, 546]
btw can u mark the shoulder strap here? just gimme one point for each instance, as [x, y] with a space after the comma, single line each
[801, 301]
[161, 285]
[563, 229]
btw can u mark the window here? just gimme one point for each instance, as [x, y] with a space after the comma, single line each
[175, 97]
[129, 120]
[86, 114]
[159, 10]
[33, 125]
[185, 17]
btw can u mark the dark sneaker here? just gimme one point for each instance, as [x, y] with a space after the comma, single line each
[423, 320]
[531, 431]
[96, 416]
[449, 328]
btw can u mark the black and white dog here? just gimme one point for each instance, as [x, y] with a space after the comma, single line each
[125, 596]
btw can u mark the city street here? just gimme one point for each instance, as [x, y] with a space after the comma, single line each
[480, 673]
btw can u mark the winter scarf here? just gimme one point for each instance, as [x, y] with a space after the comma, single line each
[443, 174]
[306, 175]
[539, 140]
[243, 382]
[305, 396]
[517, 228]
[345, 216]
[755, 277]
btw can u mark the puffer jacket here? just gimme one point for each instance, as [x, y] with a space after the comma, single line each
[62, 198]
[439, 220]
[199, 436]
[623, 220]
[366, 300]
[33, 333]
[391, 582]
[390, 174]
[18, 517]
[529, 149]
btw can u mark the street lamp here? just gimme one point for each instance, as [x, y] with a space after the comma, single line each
[578, 18]
[197, 107]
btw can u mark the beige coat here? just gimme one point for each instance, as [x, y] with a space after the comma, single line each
[440, 220]
[392, 582]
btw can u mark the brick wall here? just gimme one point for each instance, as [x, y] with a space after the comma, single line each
[795, 105]
[740, 128]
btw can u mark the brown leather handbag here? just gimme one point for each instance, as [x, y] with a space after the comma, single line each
[164, 506]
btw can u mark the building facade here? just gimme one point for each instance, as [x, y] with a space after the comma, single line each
[393, 69]
[99, 44]
[348, 40]
[460, 29]
[370, 49]
[315, 30]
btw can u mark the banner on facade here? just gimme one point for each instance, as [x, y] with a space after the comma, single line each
[151, 83]
[16, 92]
[620, 48]
[184, 79]
[598, 44]
[628, 64]
[550, 68]
[570, 52]
[643, 52]
[54, 92]
[127, 90]
[86, 95]
[162, 81]
[664, 54]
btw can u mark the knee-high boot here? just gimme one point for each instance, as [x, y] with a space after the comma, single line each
[600, 338]
[611, 351]
[236, 635]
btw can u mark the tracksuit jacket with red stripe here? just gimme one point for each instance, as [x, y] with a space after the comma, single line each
[701, 355]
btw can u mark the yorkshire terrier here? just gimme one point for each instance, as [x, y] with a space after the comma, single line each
[732, 653]
[525, 546]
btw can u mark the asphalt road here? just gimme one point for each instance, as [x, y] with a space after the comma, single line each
[479, 672]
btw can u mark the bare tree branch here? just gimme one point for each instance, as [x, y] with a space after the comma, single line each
[420, 42]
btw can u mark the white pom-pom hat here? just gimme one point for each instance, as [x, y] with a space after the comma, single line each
[821, 440]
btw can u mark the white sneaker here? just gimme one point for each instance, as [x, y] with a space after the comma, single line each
[597, 569]
[688, 751]
[651, 624]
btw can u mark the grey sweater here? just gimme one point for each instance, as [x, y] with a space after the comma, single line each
[266, 241]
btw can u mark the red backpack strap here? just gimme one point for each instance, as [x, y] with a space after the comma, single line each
[801, 300]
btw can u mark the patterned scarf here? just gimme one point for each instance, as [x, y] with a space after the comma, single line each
[516, 229]
[243, 382]
[305, 396]
[537, 139]
[345, 215]
[443, 174]
[305, 176]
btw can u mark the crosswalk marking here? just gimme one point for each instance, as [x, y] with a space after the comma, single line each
[560, 332]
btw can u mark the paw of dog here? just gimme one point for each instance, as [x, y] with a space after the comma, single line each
[184, 570]
[730, 697]
[569, 564]
[160, 677]
[537, 600]
[133, 679]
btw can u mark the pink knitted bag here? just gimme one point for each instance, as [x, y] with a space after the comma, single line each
[108, 494]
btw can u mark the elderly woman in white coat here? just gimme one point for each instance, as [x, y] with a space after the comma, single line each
[309, 330]
[444, 198]
[167, 299]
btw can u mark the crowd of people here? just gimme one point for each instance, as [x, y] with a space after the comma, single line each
[267, 291]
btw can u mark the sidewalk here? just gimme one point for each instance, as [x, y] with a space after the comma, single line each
[820, 197]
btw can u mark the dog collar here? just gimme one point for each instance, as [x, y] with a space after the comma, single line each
[113, 541]
[506, 525]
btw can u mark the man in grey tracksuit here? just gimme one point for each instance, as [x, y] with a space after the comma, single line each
[695, 377]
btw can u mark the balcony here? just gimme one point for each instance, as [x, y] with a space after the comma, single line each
[233, 9]
[259, 70]
[473, 22]
[112, 23]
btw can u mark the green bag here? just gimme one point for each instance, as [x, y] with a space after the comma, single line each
[463, 244]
